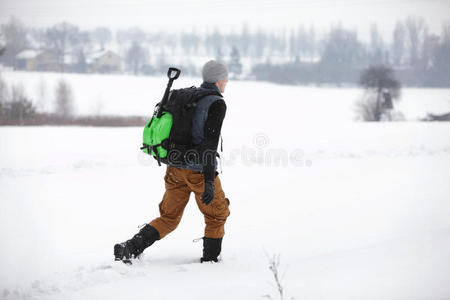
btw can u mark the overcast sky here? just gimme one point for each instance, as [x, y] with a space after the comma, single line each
[226, 15]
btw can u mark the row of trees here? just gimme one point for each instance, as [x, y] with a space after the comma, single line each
[65, 37]
[420, 58]
[295, 56]
[70, 44]
[17, 108]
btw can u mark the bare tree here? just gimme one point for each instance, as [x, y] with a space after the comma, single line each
[415, 28]
[15, 38]
[190, 42]
[103, 36]
[376, 46]
[41, 103]
[136, 35]
[4, 95]
[235, 64]
[343, 53]
[81, 45]
[398, 43]
[311, 43]
[245, 39]
[37, 35]
[130, 35]
[61, 38]
[259, 43]
[136, 57]
[368, 107]
[214, 41]
[302, 42]
[2, 44]
[20, 107]
[64, 101]
[161, 62]
[441, 58]
[293, 47]
[428, 50]
[219, 54]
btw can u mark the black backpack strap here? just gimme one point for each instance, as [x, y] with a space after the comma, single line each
[158, 158]
[202, 93]
[164, 143]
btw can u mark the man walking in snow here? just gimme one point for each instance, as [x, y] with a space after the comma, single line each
[200, 178]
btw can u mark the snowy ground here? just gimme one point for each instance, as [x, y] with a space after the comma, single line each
[356, 210]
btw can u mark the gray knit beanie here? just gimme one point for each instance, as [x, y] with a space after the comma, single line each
[214, 71]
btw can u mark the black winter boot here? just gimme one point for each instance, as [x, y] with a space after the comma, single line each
[136, 245]
[211, 249]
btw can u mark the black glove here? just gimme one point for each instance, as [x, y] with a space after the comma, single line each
[208, 194]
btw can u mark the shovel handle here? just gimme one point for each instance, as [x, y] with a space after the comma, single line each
[173, 74]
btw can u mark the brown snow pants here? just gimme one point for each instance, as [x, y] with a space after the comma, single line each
[179, 185]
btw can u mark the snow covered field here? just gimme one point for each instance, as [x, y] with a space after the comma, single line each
[356, 210]
[131, 95]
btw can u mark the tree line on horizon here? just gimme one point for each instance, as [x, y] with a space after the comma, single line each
[18, 109]
[297, 56]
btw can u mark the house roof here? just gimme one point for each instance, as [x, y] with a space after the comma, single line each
[28, 54]
[101, 53]
[91, 57]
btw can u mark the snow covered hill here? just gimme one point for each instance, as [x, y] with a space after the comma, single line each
[356, 210]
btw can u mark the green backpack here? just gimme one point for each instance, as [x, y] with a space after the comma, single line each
[156, 131]
[168, 133]
[158, 127]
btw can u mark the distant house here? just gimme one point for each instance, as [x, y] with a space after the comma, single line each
[37, 60]
[104, 62]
